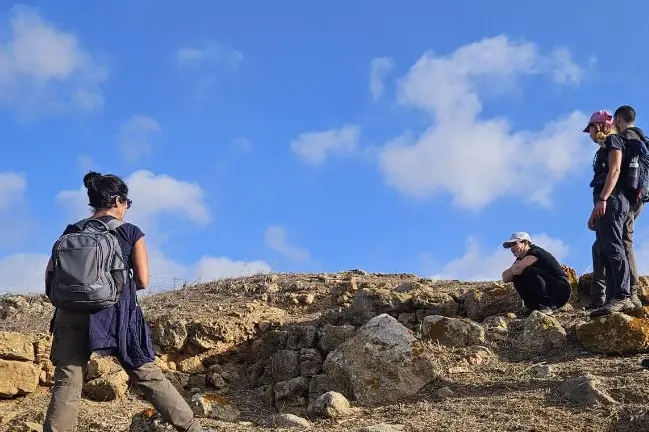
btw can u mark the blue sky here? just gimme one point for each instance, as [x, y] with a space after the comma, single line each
[297, 137]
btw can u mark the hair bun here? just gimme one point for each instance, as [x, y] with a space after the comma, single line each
[90, 179]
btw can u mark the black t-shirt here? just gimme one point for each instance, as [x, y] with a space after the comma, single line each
[547, 263]
[600, 162]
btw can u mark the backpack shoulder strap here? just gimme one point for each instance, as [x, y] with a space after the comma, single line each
[114, 223]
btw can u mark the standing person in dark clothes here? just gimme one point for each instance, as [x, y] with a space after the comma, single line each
[536, 274]
[118, 330]
[610, 212]
[624, 122]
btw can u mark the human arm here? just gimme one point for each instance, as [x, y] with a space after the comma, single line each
[615, 146]
[140, 263]
[520, 265]
[508, 276]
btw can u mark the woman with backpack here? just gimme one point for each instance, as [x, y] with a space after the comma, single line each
[108, 320]
[610, 211]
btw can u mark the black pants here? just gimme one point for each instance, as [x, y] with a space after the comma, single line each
[599, 291]
[610, 243]
[538, 290]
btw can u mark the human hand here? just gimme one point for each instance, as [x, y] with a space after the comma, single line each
[600, 209]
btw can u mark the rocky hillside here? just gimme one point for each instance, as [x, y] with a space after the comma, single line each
[351, 352]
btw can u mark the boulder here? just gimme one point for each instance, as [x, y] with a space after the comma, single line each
[107, 387]
[617, 333]
[18, 378]
[381, 364]
[331, 405]
[301, 337]
[310, 362]
[285, 365]
[291, 396]
[494, 299]
[586, 390]
[329, 336]
[582, 294]
[456, 332]
[541, 334]
[99, 366]
[169, 335]
[290, 421]
[373, 301]
[16, 346]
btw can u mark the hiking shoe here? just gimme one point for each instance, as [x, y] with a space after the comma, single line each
[547, 311]
[634, 298]
[614, 305]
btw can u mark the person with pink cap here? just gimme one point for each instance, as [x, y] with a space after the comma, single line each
[610, 211]
[624, 122]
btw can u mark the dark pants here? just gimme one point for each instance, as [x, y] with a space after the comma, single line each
[610, 245]
[538, 290]
[598, 285]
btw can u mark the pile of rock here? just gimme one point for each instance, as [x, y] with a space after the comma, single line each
[24, 362]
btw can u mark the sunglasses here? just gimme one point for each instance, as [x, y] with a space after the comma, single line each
[126, 200]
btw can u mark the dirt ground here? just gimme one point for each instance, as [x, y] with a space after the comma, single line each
[500, 394]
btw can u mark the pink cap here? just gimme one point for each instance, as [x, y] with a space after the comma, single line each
[601, 116]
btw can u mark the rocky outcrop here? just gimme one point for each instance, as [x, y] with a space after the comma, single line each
[454, 332]
[494, 299]
[617, 333]
[380, 364]
[17, 377]
[541, 334]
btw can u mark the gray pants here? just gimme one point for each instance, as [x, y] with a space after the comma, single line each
[598, 284]
[70, 355]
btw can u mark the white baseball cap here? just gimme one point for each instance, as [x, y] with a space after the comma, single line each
[517, 236]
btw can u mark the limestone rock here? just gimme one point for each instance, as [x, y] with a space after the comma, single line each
[99, 366]
[16, 346]
[285, 365]
[582, 294]
[169, 335]
[107, 387]
[329, 336]
[455, 332]
[291, 396]
[382, 363]
[214, 406]
[17, 378]
[310, 362]
[191, 365]
[301, 337]
[43, 347]
[331, 405]
[541, 334]
[616, 333]
[290, 421]
[494, 299]
[428, 301]
[586, 390]
[371, 301]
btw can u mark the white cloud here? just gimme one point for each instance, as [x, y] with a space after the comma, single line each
[211, 54]
[134, 138]
[276, 239]
[45, 68]
[478, 160]
[12, 189]
[479, 264]
[168, 273]
[152, 195]
[379, 68]
[314, 147]
[23, 272]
